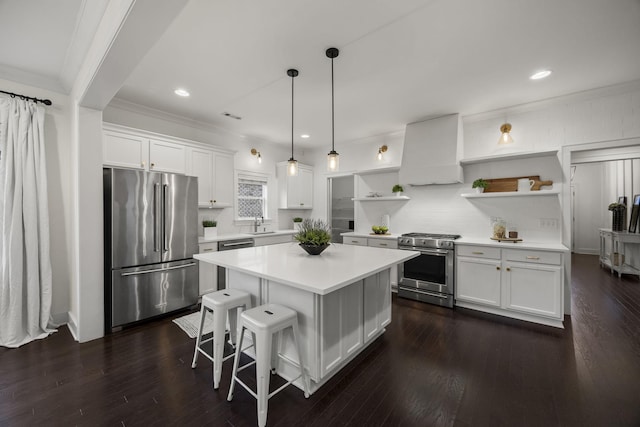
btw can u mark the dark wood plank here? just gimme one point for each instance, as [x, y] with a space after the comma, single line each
[432, 367]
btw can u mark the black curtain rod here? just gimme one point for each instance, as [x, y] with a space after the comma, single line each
[29, 98]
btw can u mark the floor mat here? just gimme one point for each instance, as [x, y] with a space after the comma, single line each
[191, 322]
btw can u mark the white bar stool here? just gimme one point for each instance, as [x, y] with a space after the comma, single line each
[220, 302]
[264, 321]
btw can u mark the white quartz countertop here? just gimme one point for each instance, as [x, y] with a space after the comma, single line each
[225, 237]
[338, 266]
[375, 236]
[540, 246]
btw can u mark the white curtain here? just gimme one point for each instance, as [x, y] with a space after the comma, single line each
[25, 269]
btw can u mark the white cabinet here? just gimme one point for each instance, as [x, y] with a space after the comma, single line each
[215, 177]
[341, 326]
[478, 280]
[166, 156]
[533, 288]
[132, 148]
[208, 276]
[377, 304]
[520, 283]
[295, 192]
[125, 150]
[223, 183]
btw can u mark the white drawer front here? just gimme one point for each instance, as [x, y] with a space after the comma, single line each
[350, 240]
[478, 251]
[538, 257]
[208, 247]
[383, 243]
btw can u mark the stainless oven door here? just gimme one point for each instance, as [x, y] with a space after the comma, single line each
[431, 271]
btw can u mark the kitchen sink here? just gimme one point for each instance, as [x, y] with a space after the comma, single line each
[255, 233]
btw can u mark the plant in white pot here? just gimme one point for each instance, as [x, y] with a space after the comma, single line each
[210, 229]
[397, 189]
[297, 221]
[479, 185]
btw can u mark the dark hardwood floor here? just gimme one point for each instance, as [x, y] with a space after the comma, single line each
[433, 367]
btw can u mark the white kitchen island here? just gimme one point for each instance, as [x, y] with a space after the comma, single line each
[342, 296]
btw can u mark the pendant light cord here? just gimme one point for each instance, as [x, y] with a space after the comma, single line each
[292, 77]
[332, 112]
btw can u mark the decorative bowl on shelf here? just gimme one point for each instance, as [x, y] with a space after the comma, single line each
[314, 249]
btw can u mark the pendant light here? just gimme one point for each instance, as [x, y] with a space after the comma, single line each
[292, 167]
[333, 158]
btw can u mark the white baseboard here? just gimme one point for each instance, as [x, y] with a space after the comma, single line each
[72, 324]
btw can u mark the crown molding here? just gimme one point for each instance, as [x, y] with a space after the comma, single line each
[571, 98]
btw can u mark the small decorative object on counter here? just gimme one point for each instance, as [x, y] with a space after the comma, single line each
[397, 189]
[499, 228]
[618, 216]
[479, 185]
[296, 223]
[210, 229]
[314, 236]
[379, 229]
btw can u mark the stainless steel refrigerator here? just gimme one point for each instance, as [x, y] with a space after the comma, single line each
[150, 235]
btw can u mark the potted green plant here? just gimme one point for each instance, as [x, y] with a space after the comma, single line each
[397, 189]
[210, 229]
[313, 236]
[296, 223]
[479, 185]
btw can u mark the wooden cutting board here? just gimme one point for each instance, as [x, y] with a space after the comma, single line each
[499, 185]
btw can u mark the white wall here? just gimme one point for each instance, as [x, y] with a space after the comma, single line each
[58, 156]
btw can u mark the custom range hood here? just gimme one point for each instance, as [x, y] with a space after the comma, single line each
[432, 152]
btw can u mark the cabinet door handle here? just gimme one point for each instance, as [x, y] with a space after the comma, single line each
[153, 165]
[382, 244]
[207, 250]
[477, 253]
[301, 204]
[532, 257]
[497, 268]
[142, 165]
[508, 269]
[354, 241]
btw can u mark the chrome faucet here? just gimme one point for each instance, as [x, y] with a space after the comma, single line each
[257, 222]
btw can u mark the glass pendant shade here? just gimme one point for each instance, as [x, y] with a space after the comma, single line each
[505, 138]
[333, 161]
[292, 167]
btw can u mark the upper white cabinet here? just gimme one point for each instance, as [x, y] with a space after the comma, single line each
[132, 148]
[125, 150]
[295, 192]
[166, 156]
[432, 150]
[215, 176]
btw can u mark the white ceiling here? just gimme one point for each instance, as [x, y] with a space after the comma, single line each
[400, 61]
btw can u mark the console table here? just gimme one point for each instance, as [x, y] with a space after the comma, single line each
[613, 246]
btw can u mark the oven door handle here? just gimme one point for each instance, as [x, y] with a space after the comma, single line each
[436, 252]
[431, 294]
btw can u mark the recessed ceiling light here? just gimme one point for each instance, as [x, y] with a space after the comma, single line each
[540, 75]
[304, 135]
[181, 92]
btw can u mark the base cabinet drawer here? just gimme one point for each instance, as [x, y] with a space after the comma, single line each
[533, 289]
[350, 240]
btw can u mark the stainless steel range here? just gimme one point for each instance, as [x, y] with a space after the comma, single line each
[428, 277]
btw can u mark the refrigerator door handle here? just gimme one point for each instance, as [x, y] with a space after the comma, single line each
[135, 273]
[165, 243]
[156, 211]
